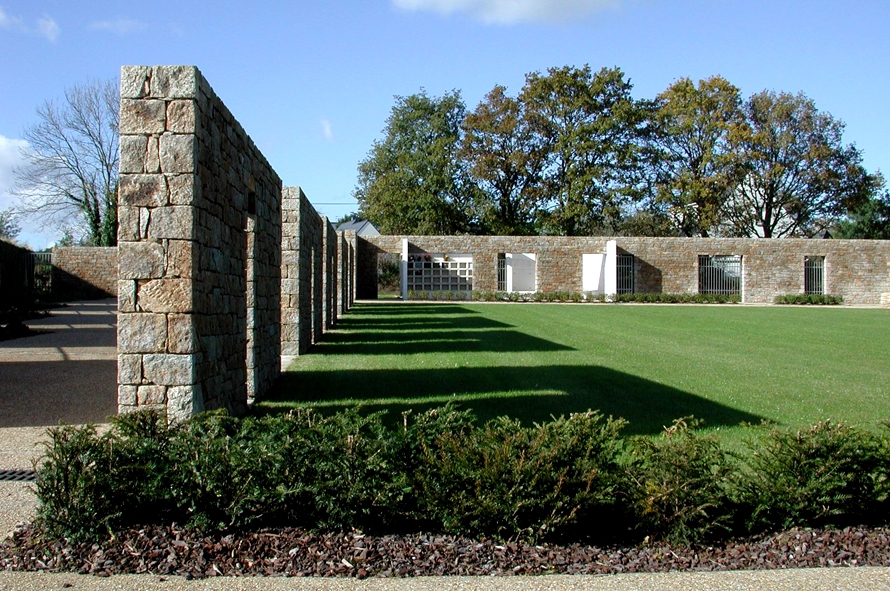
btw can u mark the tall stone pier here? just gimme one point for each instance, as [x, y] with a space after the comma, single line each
[200, 250]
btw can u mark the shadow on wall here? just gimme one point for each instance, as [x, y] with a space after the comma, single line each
[67, 287]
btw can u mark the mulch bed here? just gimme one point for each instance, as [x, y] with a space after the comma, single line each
[170, 550]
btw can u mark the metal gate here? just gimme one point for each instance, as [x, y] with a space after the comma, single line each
[814, 275]
[625, 266]
[720, 274]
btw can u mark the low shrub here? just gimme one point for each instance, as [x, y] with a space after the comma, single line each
[829, 474]
[804, 299]
[680, 485]
[679, 298]
[570, 479]
[511, 482]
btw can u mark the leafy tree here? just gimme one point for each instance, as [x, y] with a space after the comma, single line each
[9, 227]
[72, 162]
[590, 126]
[692, 169]
[506, 158]
[412, 181]
[870, 220]
[797, 171]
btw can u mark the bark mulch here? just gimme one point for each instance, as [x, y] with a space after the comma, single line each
[169, 550]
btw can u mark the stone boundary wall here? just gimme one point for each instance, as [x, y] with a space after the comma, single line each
[302, 295]
[84, 272]
[199, 237]
[858, 270]
[16, 277]
[329, 238]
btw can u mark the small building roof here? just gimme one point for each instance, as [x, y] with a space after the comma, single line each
[361, 227]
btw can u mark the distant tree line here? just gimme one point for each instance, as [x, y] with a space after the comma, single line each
[574, 154]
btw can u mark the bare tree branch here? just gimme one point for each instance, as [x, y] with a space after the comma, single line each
[72, 162]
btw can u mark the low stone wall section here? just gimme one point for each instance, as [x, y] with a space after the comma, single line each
[199, 238]
[84, 272]
[858, 270]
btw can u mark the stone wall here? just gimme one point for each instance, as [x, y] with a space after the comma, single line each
[84, 272]
[858, 270]
[303, 286]
[330, 275]
[346, 265]
[199, 238]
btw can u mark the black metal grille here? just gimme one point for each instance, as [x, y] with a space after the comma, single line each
[625, 265]
[502, 272]
[720, 274]
[18, 475]
[814, 275]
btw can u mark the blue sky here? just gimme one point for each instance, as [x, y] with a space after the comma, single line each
[313, 82]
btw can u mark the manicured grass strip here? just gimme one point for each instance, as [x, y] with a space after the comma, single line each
[648, 364]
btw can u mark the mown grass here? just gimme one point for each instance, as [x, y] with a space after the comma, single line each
[726, 365]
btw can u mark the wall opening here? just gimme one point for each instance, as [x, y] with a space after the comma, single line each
[428, 272]
[517, 272]
[720, 274]
[814, 275]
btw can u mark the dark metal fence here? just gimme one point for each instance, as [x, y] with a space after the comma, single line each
[502, 272]
[720, 274]
[625, 266]
[814, 275]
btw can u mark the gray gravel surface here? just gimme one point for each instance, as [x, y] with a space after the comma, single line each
[834, 579]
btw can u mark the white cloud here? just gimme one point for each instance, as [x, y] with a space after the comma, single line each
[120, 26]
[8, 22]
[326, 130]
[10, 158]
[47, 27]
[512, 11]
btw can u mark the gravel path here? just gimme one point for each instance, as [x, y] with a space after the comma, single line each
[835, 579]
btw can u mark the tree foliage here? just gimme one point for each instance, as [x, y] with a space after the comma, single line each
[507, 159]
[412, 181]
[574, 154]
[796, 170]
[589, 126]
[72, 162]
[9, 227]
[692, 168]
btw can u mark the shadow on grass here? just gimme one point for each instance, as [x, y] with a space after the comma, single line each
[432, 340]
[531, 394]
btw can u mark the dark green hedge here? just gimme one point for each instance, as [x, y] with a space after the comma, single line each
[804, 299]
[570, 479]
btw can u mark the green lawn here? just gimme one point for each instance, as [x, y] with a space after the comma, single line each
[647, 363]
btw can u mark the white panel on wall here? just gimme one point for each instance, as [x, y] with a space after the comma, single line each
[593, 277]
[521, 272]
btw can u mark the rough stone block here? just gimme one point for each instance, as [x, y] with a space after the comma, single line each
[181, 116]
[132, 158]
[129, 369]
[152, 158]
[185, 189]
[174, 81]
[175, 223]
[169, 370]
[141, 333]
[183, 402]
[151, 395]
[126, 295]
[179, 258]
[181, 335]
[127, 224]
[135, 81]
[126, 397]
[143, 190]
[178, 153]
[165, 295]
[143, 116]
[141, 260]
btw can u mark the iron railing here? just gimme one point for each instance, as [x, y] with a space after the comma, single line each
[814, 275]
[720, 274]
